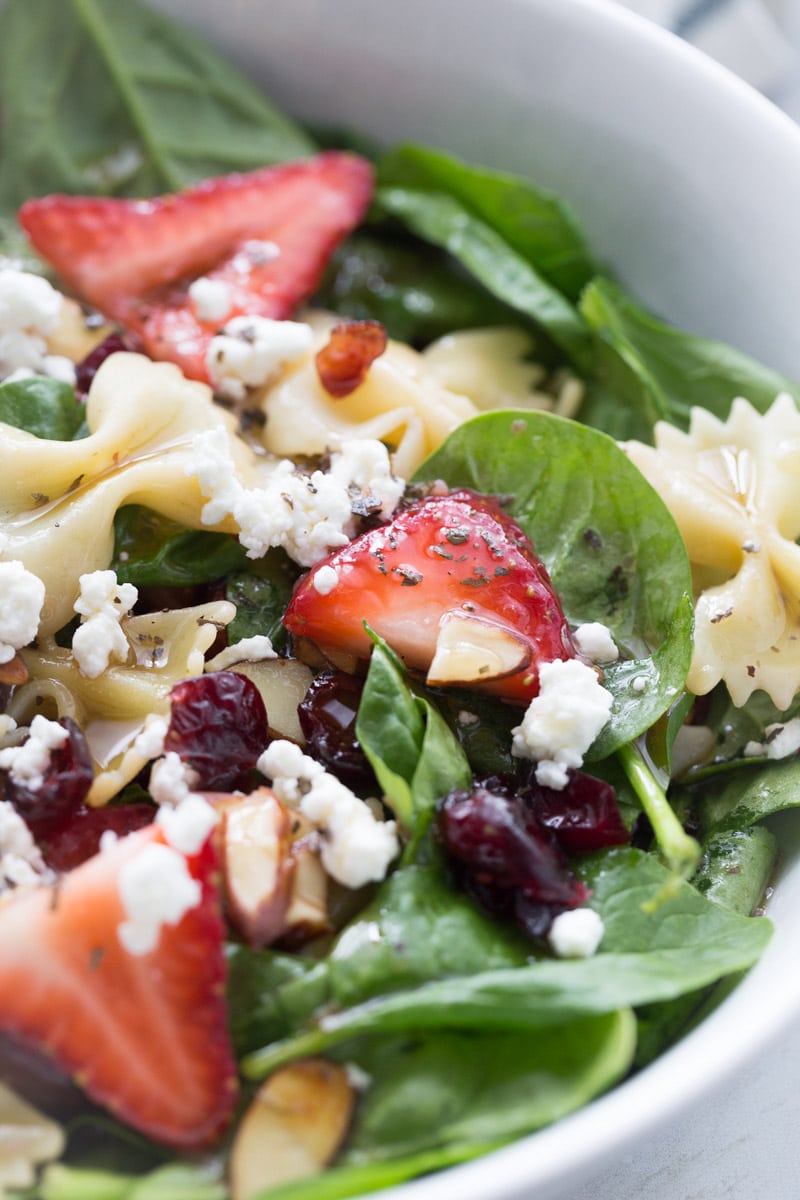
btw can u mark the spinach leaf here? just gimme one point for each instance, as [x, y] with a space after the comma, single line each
[174, 1181]
[102, 97]
[734, 873]
[418, 293]
[441, 219]
[670, 372]
[750, 796]
[536, 224]
[459, 1089]
[261, 594]
[416, 929]
[153, 551]
[42, 406]
[648, 953]
[415, 757]
[612, 549]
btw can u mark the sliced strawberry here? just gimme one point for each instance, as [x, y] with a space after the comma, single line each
[134, 259]
[144, 1035]
[455, 588]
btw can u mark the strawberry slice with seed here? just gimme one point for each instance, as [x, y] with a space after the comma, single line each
[454, 586]
[265, 236]
[145, 1035]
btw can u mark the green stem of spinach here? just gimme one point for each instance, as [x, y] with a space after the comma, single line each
[680, 851]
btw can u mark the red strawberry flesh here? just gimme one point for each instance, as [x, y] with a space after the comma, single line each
[447, 554]
[135, 259]
[144, 1035]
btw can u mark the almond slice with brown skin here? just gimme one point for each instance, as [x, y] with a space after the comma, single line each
[257, 865]
[293, 1127]
[470, 650]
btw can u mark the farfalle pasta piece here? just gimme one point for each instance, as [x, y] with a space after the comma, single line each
[165, 648]
[733, 488]
[58, 499]
[493, 368]
[399, 403]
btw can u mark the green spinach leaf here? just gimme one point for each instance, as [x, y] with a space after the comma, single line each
[648, 954]
[415, 757]
[174, 1181]
[612, 549]
[102, 97]
[459, 1089]
[152, 551]
[441, 219]
[536, 224]
[44, 407]
[670, 372]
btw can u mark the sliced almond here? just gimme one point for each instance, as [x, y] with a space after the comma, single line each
[257, 865]
[283, 682]
[307, 915]
[14, 672]
[472, 650]
[293, 1128]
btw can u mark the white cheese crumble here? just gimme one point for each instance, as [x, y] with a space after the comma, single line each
[187, 826]
[156, 889]
[149, 743]
[356, 848]
[325, 580]
[639, 684]
[170, 781]
[561, 723]
[576, 933]
[21, 860]
[780, 741]
[595, 642]
[30, 309]
[250, 350]
[21, 600]
[102, 604]
[308, 515]
[258, 648]
[211, 298]
[27, 763]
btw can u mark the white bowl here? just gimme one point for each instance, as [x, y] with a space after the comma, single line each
[688, 182]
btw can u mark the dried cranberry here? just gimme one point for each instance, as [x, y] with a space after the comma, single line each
[584, 816]
[66, 781]
[218, 727]
[327, 716]
[88, 367]
[79, 837]
[499, 840]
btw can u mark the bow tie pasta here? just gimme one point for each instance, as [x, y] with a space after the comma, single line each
[733, 487]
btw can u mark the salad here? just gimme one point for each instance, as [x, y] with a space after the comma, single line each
[397, 643]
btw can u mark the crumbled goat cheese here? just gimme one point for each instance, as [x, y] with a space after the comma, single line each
[780, 741]
[212, 298]
[102, 604]
[576, 933]
[356, 848]
[251, 349]
[21, 599]
[21, 860]
[57, 366]
[326, 580]
[30, 308]
[253, 649]
[308, 515]
[149, 743]
[561, 723]
[170, 781]
[27, 763]
[156, 889]
[639, 684]
[187, 826]
[595, 642]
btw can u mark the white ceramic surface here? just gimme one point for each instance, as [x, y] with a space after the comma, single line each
[689, 184]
